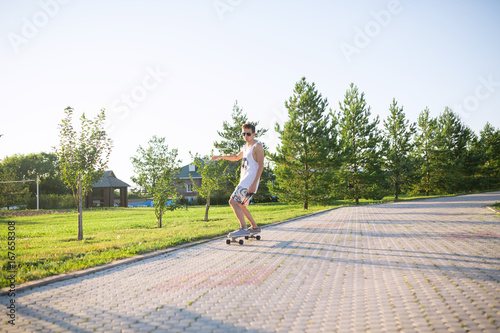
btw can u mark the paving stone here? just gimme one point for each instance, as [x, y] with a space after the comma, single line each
[417, 266]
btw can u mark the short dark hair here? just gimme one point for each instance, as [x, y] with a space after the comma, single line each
[248, 126]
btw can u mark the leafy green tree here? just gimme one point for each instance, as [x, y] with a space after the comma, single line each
[360, 175]
[12, 192]
[303, 160]
[397, 148]
[84, 157]
[156, 171]
[213, 174]
[44, 165]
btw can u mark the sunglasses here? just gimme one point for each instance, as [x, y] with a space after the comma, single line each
[247, 134]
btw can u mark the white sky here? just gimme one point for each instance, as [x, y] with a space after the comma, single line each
[175, 68]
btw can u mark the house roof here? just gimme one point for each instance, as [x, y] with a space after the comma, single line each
[109, 180]
[185, 172]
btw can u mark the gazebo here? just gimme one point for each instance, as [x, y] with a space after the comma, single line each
[103, 192]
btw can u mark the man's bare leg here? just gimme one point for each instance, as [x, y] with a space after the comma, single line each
[249, 216]
[238, 212]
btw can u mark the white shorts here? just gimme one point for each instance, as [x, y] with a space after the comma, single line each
[241, 196]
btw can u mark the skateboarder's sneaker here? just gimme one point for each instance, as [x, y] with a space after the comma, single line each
[254, 231]
[241, 232]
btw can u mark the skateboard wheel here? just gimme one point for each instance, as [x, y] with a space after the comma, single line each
[246, 237]
[228, 241]
[240, 241]
[257, 237]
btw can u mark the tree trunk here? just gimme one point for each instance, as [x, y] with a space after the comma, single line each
[159, 221]
[306, 199]
[356, 193]
[207, 208]
[80, 211]
[427, 192]
[356, 188]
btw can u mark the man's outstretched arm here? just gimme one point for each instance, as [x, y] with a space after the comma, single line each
[232, 158]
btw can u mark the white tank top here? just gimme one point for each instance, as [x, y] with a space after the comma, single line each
[249, 167]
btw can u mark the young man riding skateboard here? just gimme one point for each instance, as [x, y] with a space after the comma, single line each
[252, 165]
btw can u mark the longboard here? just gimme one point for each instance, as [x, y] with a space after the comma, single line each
[230, 240]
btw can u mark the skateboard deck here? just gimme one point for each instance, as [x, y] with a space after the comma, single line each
[230, 240]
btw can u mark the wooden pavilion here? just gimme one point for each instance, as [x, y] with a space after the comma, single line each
[103, 192]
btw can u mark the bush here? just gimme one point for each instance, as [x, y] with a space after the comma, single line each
[375, 192]
[132, 195]
[53, 201]
[199, 201]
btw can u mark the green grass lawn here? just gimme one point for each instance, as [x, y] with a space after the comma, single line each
[47, 245]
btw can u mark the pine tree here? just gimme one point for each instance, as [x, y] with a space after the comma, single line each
[489, 165]
[360, 175]
[303, 159]
[231, 144]
[453, 138]
[426, 153]
[231, 133]
[473, 159]
[397, 147]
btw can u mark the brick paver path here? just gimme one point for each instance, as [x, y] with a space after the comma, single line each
[420, 266]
